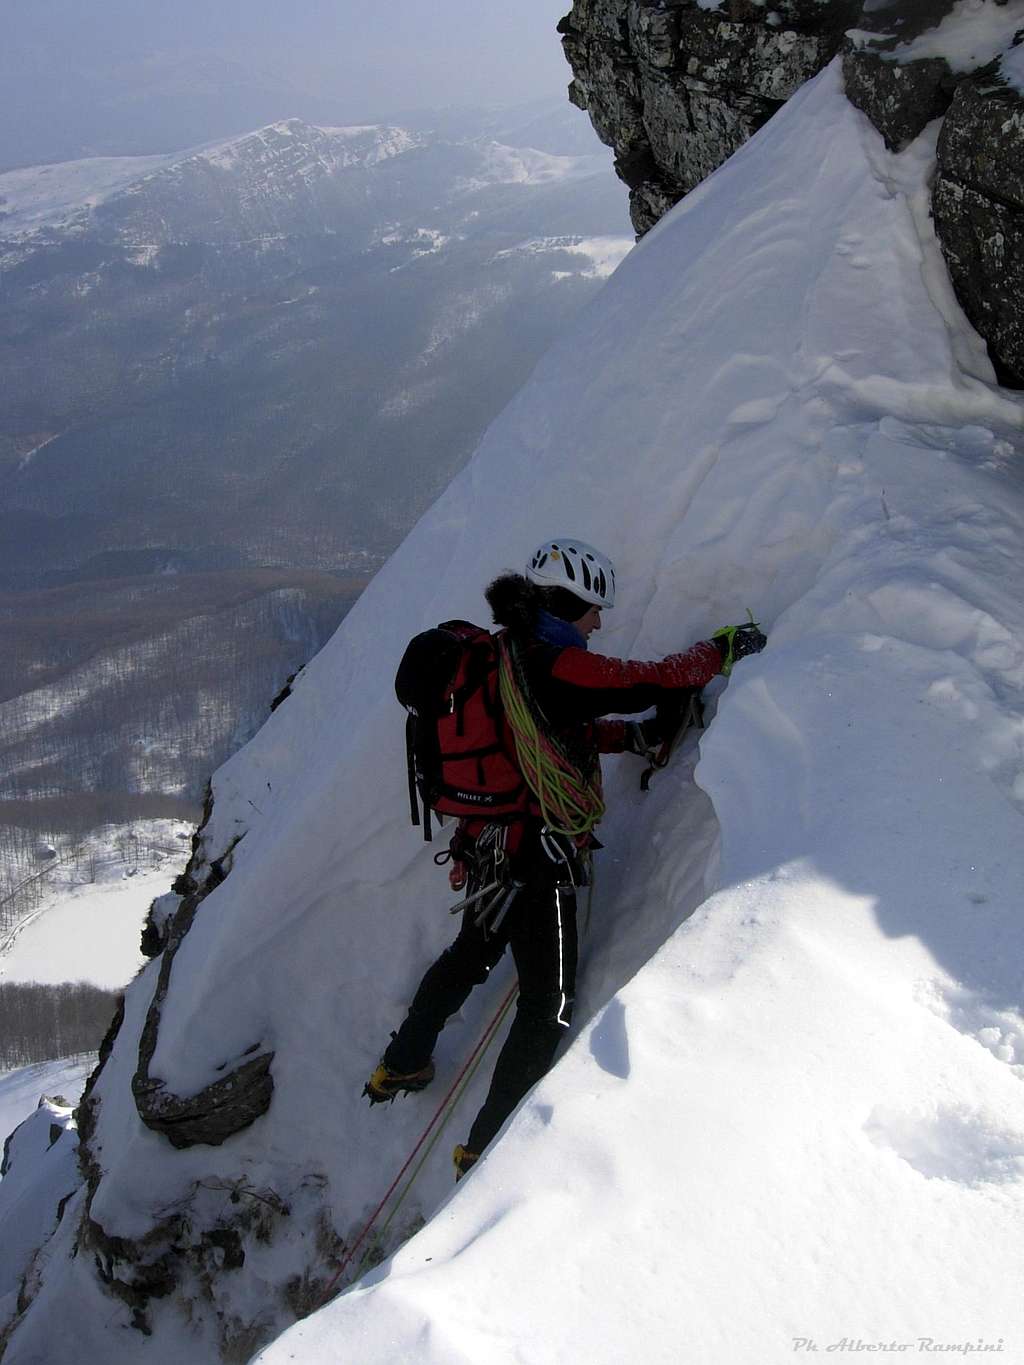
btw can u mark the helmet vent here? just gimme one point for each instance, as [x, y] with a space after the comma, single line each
[575, 565]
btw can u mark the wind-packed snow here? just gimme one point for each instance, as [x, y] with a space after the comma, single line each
[791, 1115]
[973, 33]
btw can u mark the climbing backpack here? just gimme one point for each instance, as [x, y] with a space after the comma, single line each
[459, 752]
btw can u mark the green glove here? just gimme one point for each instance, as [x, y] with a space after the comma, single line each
[736, 642]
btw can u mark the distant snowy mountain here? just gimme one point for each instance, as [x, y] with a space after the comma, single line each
[790, 1109]
[285, 163]
[229, 319]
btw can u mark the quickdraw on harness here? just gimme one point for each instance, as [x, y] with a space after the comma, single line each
[570, 799]
[491, 887]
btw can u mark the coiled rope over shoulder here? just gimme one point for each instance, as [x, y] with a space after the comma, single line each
[570, 800]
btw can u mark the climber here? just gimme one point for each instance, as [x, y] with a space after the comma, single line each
[556, 690]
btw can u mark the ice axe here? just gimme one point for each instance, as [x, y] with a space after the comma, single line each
[673, 717]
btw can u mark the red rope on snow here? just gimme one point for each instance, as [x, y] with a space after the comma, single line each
[484, 1040]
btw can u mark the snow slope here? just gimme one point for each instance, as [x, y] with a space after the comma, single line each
[21, 1090]
[39, 1159]
[792, 1110]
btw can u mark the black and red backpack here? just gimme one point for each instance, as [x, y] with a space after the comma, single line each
[460, 753]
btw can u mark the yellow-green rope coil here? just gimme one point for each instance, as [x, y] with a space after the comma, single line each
[570, 801]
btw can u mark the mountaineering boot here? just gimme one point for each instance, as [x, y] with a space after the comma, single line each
[463, 1161]
[385, 1084]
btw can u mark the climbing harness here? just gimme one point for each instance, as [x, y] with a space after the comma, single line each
[570, 800]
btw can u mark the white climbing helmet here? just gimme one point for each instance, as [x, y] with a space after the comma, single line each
[570, 563]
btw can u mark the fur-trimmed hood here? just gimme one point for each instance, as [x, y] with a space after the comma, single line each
[515, 602]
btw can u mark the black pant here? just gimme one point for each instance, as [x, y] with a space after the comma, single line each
[540, 926]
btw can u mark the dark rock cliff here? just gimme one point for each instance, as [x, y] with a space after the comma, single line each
[676, 86]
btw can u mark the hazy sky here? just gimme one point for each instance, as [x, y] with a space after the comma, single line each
[85, 77]
[405, 51]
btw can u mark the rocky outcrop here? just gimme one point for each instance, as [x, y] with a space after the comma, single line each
[900, 93]
[899, 100]
[186, 1252]
[222, 1108]
[978, 191]
[978, 204]
[675, 88]
[244, 1092]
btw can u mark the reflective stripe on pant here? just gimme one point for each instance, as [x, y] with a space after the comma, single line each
[540, 928]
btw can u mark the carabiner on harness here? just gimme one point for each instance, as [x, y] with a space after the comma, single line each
[562, 850]
[491, 891]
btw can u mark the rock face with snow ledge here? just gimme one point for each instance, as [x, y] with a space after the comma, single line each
[791, 1105]
[676, 86]
[912, 63]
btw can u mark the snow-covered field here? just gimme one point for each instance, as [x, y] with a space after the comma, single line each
[87, 923]
[790, 1120]
[87, 933]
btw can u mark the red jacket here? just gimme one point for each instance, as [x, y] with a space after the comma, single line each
[574, 688]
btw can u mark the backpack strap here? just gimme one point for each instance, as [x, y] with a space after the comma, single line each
[414, 792]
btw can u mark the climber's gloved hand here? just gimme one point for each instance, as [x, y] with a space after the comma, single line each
[736, 642]
[644, 736]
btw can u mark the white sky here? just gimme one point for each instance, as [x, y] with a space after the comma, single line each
[119, 77]
[399, 55]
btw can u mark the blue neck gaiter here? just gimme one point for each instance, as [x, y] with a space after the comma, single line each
[552, 630]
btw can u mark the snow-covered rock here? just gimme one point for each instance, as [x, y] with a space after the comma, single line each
[39, 1172]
